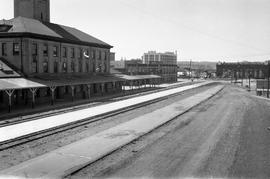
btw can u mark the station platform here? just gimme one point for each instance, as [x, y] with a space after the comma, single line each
[65, 160]
[26, 128]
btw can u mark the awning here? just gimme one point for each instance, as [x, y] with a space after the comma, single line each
[18, 83]
[137, 77]
[50, 80]
[74, 79]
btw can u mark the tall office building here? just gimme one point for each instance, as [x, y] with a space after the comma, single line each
[163, 58]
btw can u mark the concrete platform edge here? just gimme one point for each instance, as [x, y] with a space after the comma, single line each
[77, 168]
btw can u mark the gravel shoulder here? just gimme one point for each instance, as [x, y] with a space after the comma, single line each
[223, 137]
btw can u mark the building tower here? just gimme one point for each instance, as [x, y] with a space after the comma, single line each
[34, 9]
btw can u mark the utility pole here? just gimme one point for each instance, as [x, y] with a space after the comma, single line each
[268, 80]
[249, 80]
[190, 69]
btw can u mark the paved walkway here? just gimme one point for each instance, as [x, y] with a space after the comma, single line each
[63, 161]
[26, 128]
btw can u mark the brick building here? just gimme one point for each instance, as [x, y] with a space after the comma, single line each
[167, 72]
[65, 60]
[256, 70]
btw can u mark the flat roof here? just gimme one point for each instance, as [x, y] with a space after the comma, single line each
[137, 77]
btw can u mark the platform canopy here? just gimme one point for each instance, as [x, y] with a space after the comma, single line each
[66, 80]
[74, 79]
[18, 83]
[137, 77]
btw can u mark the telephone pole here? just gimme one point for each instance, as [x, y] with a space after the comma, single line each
[268, 76]
[190, 69]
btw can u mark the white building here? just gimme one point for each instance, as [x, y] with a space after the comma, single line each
[164, 58]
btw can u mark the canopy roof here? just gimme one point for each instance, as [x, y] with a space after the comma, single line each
[74, 79]
[18, 83]
[137, 77]
[48, 80]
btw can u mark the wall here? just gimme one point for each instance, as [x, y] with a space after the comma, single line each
[101, 57]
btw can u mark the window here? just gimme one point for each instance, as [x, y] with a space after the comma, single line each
[45, 50]
[72, 66]
[80, 53]
[65, 52]
[104, 56]
[34, 66]
[34, 49]
[87, 67]
[55, 51]
[64, 67]
[72, 53]
[16, 49]
[4, 49]
[99, 55]
[80, 67]
[45, 67]
[94, 67]
[93, 54]
[55, 67]
[105, 67]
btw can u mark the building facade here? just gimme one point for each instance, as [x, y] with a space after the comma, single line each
[69, 61]
[164, 58]
[167, 72]
[242, 70]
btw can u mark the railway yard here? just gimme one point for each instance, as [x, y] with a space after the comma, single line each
[184, 130]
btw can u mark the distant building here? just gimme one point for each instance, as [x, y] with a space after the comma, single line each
[163, 58]
[168, 72]
[242, 70]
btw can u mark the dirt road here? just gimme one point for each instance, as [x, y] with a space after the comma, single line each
[226, 136]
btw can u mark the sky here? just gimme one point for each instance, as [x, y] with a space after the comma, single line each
[199, 30]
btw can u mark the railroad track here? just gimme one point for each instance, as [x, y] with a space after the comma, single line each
[80, 107]
[62, 128]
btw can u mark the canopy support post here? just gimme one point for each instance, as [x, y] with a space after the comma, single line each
[114, 86]
[102, 88]
[72, 92]
[33, 91]
[89, 90]
[9, 93]
[144, 81]
[52, 88]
